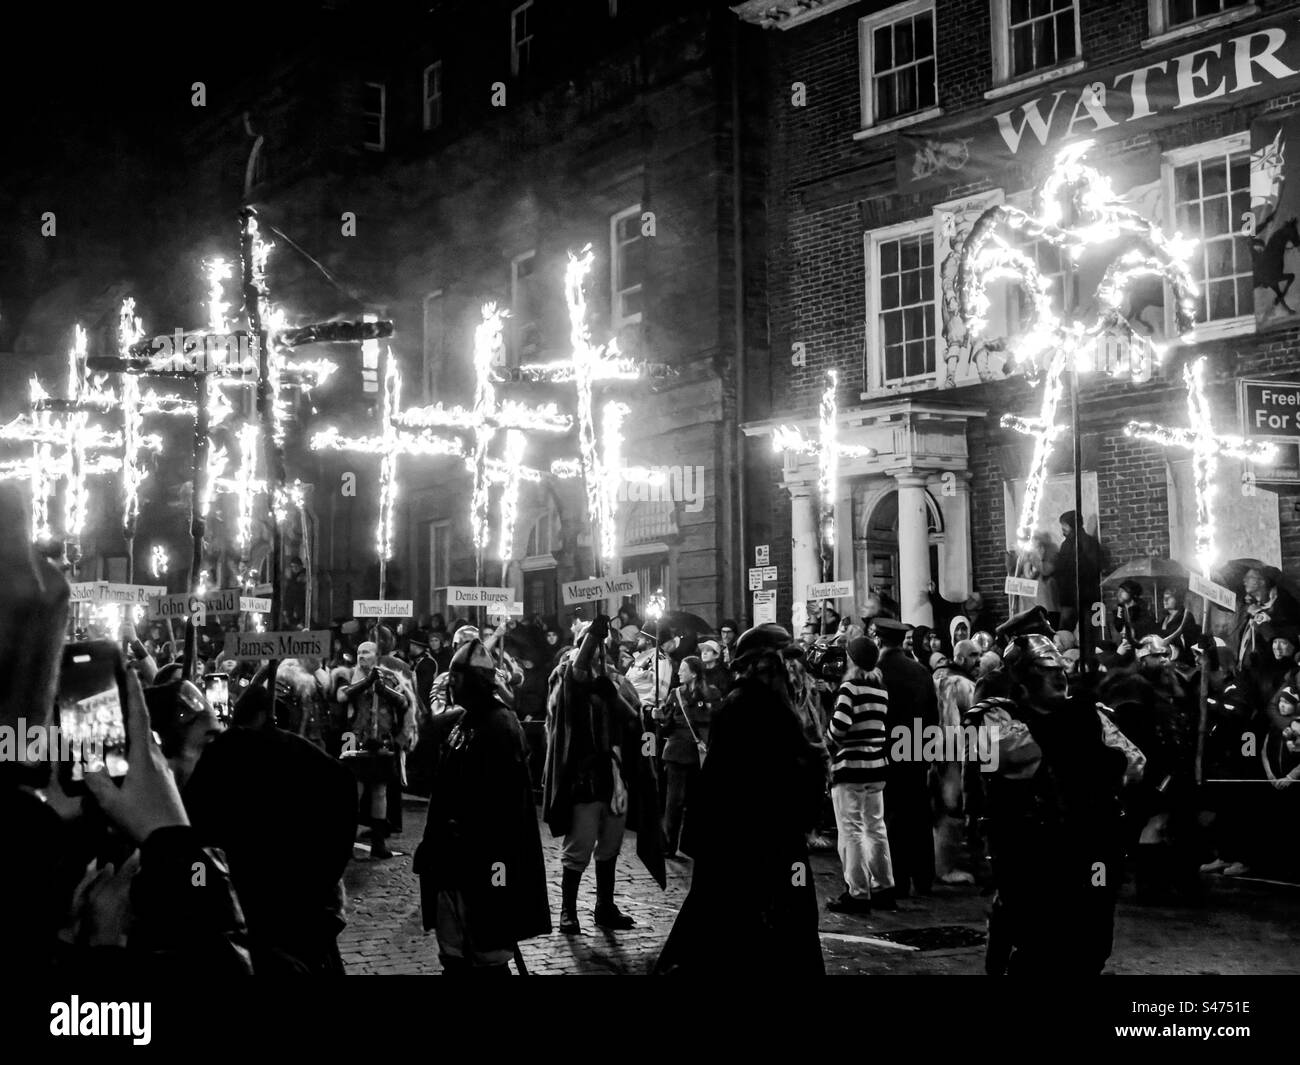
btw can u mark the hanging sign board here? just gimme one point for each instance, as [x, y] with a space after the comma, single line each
[1021, 586]
[830, 590]
[1215, 593]
[383, 608]
[464, 596]
[600, 588]
[254, 646]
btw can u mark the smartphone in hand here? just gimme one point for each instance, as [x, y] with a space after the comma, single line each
[216, 687]
[91, 705]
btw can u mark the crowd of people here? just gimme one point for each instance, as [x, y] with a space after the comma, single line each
[1052, 778]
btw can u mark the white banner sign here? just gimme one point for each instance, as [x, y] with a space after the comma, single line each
[253, 604]
[756, 579]
[1021, 586]
[761, 554]
[1215, 593]
[480, 596]
[383, 608]
[601, 588]
[106, 592]
[764, 607]
[166, 607]
[252, 646]
[832, 590]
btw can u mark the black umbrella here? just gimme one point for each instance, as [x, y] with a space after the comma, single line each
[682, 622]
[1232, 575]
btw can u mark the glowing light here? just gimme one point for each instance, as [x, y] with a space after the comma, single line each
[1206, 446]
[586, 365]
[829, 451]
[484, 420]
[159, 560]
[1098, 217]
[391, 442]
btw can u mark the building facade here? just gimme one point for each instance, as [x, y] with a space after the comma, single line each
[424, 163]
[893, 128]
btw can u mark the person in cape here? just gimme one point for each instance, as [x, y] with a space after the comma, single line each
[599, 778]
[752, 905]
[481, 869]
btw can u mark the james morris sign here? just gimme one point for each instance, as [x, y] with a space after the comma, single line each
[1252, 63]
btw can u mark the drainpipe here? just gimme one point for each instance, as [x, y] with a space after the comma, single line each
[738, 295]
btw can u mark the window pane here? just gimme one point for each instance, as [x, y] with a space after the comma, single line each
[1214, 214]
[1019, 10]
[889, 257]
[893, 324]
[884, 57]
[924, 36]
[1187, 185]
[889, 291]
[632, 266]
[925, 95]
[886, 98]
[1187, 219]
[1214, 177]
[632, 303]
[911, 250]
[1022, 56]
[914, 323]
[906, 90]
[911, 287]
[1245, 294]
[916, 359]
[1218, 258]
[903, 42]
[1222, 299]
[893, 362]
[1065, 46]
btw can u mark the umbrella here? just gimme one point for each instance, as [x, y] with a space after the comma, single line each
[1147, 569]
[681, 622]
[1233, 575]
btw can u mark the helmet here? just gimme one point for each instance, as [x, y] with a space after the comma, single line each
[1034, 650]
[828, 660]
[1151, 645]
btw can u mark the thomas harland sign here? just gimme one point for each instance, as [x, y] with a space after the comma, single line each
[1250, 62]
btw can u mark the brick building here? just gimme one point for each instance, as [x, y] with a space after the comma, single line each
[892, 128]
[431, 160]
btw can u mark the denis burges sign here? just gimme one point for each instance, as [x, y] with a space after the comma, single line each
[1254, 61]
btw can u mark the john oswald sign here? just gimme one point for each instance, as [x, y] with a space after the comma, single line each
[1256, 62]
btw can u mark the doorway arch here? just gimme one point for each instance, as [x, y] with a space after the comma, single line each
[875, 544]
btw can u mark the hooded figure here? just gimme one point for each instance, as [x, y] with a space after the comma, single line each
[752, 904]
[482, 874]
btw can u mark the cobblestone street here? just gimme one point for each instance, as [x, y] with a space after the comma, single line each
[1247, 927]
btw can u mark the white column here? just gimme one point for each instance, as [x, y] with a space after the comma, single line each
[804, 556]
[913, 549]
[956, 576]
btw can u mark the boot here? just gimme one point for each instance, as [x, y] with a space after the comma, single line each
[569, 881]
[379, 840]
[608, 915]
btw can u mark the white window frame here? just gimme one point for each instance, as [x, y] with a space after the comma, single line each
[872, 239]
[1003, 85]
[432, 101]
[517, 43]
[439, 530]
[383, 116]
[1161, 33]
[517, 320]
[428, 363]
[1242, 324]
[616, 292]
[867, 26]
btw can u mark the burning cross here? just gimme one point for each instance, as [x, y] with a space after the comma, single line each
[393, 440]
[64, 423]
[588, 364]
[829, 452]
[487, 417]
[1206, 446]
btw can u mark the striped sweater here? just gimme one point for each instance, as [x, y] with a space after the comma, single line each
[860, 753]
